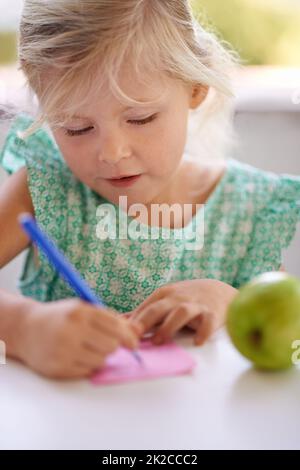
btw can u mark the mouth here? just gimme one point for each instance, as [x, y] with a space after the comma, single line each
[122, 181]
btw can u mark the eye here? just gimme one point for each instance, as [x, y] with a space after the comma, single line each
[73, 132]
[140, 122]
[76, 132]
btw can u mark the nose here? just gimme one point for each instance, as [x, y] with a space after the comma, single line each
[113, 147]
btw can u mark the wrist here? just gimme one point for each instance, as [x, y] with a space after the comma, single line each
[21, 316]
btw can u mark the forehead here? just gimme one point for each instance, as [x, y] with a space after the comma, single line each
[129, 90]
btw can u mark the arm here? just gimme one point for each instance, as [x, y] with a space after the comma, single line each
[14, 310]
[68, 338]
[14, 199]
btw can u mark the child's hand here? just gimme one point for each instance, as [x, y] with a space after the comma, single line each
[199, 304]
[71, 338]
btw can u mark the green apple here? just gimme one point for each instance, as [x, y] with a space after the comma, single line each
[263, 319]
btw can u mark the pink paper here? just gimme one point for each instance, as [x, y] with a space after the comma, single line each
[157, 361]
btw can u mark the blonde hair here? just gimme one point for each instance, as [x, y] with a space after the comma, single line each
[78, 42]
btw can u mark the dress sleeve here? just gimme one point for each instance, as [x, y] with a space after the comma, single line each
[12, 152]
[60, 201]
[47, 174]
[274, 227]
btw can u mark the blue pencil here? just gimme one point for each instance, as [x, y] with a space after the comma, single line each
[61, 264]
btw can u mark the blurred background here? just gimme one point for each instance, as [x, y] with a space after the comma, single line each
[10, 13]
[264, 32]
[266, 35]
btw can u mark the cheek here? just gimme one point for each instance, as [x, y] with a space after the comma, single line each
[73, 153]
[166, 147]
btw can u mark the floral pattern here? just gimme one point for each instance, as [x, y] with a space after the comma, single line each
[248, 219]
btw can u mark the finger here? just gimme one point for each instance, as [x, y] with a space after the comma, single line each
[153, 314]
[100, 342]
[194, 323]
[115, 327]
[104, 318]
[177, 319]
[73, 370]
[206, 327]
[78, 371]
[154, 297]
[90, 359]
[128, 335]
[137, 327]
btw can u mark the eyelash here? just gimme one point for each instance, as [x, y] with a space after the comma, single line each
[138, 122]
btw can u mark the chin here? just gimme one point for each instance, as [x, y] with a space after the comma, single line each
[134, 195]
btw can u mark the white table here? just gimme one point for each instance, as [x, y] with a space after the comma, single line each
[224, 404]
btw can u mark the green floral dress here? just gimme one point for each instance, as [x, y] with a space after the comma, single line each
[247, 221]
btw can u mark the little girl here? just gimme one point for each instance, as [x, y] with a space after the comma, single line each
[118, 83]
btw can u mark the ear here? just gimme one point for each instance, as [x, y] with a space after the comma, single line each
[197, 95]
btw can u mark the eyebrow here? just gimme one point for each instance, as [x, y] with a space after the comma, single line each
[126, 108]
[78, 116]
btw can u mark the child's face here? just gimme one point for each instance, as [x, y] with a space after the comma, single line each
[115, 141]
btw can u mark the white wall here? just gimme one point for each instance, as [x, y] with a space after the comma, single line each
[10, 11]
[271, 141]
